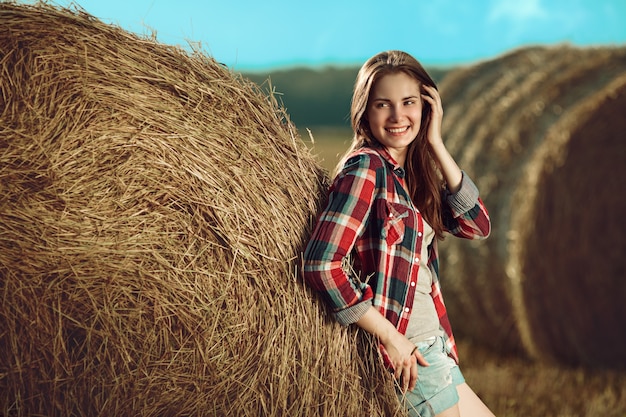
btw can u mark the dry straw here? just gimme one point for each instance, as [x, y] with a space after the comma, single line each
[541, 129]
[152, 208]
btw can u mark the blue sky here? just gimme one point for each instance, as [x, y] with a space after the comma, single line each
[259, 35]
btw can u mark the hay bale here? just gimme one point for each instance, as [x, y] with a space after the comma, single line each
[152, 208]
[541, 131]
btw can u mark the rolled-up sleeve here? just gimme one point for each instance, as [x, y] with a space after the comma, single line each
[333, 238]
[466, 215]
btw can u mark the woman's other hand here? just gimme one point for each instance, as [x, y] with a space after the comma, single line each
[405, 358]
[402, 353]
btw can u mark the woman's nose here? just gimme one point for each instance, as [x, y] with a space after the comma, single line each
[396, 113]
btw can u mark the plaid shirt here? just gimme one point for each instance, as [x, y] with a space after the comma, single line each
[370, 222]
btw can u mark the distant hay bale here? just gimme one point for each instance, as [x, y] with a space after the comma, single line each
[541, 130]
[152, 208]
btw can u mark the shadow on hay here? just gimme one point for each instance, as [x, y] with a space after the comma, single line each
[541, 130]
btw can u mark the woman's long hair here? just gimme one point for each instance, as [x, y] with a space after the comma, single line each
[423, 179]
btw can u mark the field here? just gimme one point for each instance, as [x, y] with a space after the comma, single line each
[329, 143]
[513, 386]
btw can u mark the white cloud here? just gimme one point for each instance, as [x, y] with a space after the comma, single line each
[516, 10]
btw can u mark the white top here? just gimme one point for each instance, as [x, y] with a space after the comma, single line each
[423, 323]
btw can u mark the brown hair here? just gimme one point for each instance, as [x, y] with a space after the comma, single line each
[423, 178]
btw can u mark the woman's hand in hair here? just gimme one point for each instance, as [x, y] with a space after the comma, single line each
[431, 96]
[451, 172]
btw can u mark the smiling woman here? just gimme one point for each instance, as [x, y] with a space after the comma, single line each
[373, 254]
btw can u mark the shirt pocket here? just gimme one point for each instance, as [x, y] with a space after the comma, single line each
[394, 224]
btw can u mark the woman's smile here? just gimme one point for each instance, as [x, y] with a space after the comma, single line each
[397, 130]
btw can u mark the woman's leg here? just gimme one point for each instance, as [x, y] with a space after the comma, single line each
[470, 405]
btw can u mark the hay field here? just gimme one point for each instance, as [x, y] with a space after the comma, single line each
[153, 205]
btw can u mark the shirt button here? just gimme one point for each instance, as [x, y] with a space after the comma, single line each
[419, 234]
[417, 260]
[412, 283]
[406, 310]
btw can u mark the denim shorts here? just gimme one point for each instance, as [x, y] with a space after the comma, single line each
[435, 390]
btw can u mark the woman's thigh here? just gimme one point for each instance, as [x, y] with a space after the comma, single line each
[470, 404]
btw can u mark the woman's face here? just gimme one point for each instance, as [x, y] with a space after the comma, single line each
[394, 112]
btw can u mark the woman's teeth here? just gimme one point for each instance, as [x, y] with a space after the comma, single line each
[398, 130]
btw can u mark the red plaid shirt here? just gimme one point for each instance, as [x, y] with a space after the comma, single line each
[370, 222]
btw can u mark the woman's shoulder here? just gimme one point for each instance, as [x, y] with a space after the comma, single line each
[363, 158]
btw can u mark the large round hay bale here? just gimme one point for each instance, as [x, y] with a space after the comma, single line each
[541, 130]
[153, 205]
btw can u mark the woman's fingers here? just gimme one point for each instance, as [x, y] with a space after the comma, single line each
[420, 358]
[409, 373]
[406, 379]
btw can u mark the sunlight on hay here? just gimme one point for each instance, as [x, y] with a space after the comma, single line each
[153, 205]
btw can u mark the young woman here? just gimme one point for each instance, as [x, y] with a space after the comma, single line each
[397, 190]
